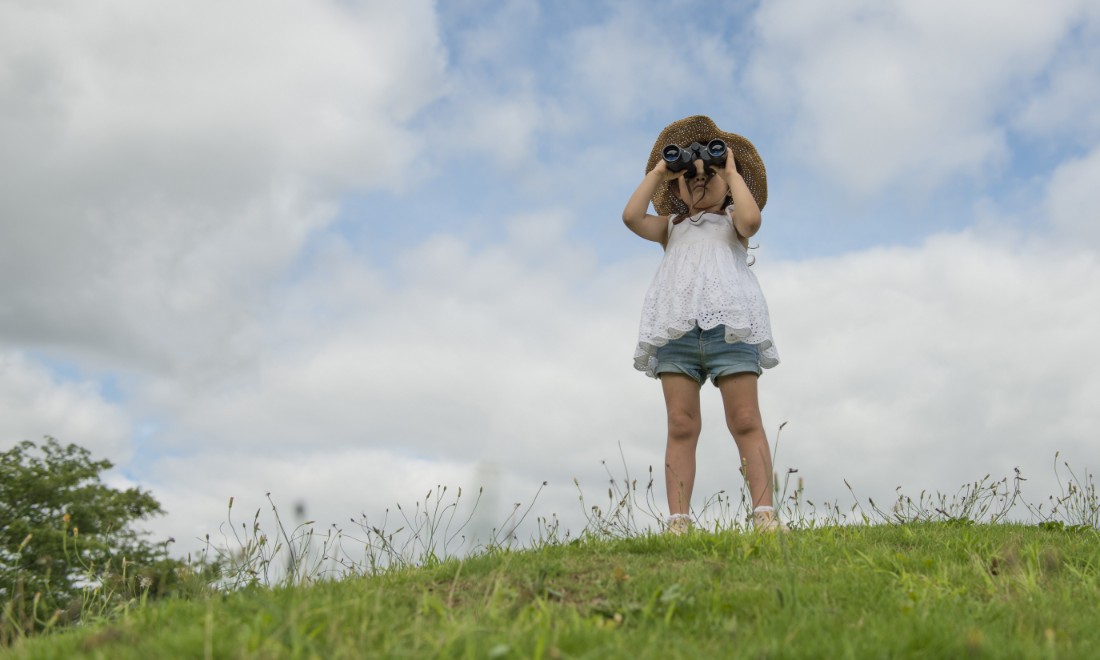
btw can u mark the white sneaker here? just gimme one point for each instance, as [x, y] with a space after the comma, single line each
[765, 520]
[679, 524]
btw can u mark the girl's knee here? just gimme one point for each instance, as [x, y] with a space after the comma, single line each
[683, 427]
[744, 423]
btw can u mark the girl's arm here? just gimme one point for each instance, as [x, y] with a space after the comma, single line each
[746, 214]
[636, 216]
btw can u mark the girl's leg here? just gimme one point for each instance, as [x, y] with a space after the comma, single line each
[682, 404]
[742, 407]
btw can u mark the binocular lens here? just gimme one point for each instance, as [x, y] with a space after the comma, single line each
[713, 154]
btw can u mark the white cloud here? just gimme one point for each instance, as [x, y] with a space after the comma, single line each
[1064, 103]
[632, 63]
[166, 164]
[34, 404]
[906, 93]
[491, 125]
[332, 487]
[164, 177]
[927, 366]
[458, 359]
[922, 367]
[493, 33]
[1073, 200]
[493, 111]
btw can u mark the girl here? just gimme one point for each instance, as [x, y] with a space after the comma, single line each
[704, 314]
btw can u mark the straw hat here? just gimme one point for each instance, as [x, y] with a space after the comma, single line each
[702, 129]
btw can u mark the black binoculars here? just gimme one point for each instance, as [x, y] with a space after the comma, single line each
[679, 158]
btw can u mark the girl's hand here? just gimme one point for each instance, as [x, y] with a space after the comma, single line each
[730, 168]
[746, 214]
[666, 175]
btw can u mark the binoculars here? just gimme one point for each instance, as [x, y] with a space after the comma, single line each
[679, 158]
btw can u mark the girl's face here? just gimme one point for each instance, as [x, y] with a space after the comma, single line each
[704, 191]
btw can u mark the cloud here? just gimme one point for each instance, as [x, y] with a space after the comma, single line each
[1063, 104]
[630, 64]
[487, 35]
[924, 367]
[173, 184]
[332, 487]
[34, 404]
[164, 169]
[488, 125]
[903, 94]
[1073, 203]
[459, 357]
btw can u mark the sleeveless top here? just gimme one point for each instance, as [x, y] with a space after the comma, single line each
[704, 279]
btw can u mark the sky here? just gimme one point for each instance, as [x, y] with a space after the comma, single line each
[344, 252]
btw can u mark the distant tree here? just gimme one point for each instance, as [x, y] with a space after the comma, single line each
[67, 540]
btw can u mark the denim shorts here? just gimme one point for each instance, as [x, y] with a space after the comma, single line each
[702, 353]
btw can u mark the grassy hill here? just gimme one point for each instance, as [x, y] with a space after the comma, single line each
[935, 590]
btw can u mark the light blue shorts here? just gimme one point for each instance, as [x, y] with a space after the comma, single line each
[706, 353]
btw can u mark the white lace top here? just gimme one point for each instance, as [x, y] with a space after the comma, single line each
[704, 278]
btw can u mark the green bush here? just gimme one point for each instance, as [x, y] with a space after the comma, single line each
[68, 542]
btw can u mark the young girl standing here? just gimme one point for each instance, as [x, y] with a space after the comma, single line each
[704, 314]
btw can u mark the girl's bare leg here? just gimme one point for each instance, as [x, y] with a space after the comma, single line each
[742, 408]
[684, 424]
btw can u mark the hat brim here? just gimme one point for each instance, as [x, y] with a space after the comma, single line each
[699, 128]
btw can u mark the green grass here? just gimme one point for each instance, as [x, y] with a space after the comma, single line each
[932, 576]
[931, 590]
